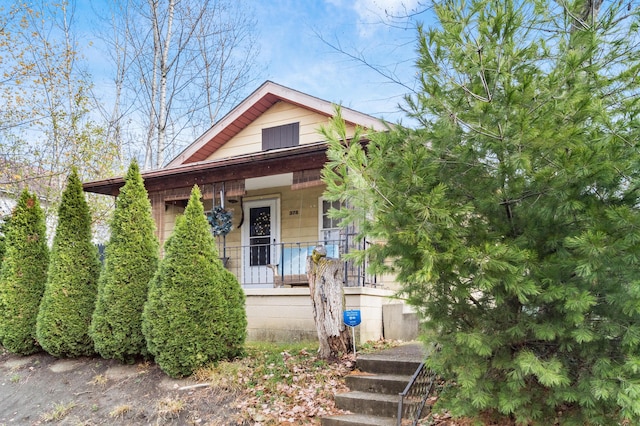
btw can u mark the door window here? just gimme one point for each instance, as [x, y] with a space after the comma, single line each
[260, 236]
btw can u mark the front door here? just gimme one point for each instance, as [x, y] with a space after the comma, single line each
[260, 238]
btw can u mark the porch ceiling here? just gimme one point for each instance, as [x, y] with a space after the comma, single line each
[304, 157]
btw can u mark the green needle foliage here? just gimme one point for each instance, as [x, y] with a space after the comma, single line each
[131, 259]
[23, 276]
[4, 230]
[510, 216]
[72, 280]
[195, 312]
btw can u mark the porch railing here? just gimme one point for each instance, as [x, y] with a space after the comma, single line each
[285, 264]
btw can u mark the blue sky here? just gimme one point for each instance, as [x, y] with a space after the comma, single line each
[293, 54]
[296, 57]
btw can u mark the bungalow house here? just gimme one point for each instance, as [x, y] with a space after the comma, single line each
[259, 171]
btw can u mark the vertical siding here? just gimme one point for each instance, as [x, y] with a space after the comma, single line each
[284, 136]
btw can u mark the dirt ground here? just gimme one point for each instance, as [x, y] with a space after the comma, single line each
[40, 389]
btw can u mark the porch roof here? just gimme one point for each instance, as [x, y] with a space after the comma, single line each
[266, 163]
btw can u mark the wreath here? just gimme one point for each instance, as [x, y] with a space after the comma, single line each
[220, 221]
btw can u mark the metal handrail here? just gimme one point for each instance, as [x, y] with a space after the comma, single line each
[416, 393]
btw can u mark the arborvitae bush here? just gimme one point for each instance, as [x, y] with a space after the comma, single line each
[72, 279]
[195, 310]
[131, 259]
[23, 275]
[234, 332]
[4, 230]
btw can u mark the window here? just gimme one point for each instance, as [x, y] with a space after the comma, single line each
[284, 136]
[329, 229]
[260, 235]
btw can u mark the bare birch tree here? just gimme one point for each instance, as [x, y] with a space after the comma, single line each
[187, 62]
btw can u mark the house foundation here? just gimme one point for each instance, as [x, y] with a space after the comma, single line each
[286, 315]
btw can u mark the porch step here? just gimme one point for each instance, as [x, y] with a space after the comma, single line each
[358, 420]
[374, 391]
[392, 384]
[372, 404]
[379, 364]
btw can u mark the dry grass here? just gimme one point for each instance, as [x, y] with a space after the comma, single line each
[58, 413]
[99, 379]
[120, 411]
[170, 408]
[143, 367]
[224, 375]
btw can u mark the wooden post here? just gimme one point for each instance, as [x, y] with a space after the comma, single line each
[327, 298]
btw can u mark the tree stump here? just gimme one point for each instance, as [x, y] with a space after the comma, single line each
[327, 298]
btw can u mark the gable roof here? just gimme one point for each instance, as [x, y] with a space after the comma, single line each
[263, 98]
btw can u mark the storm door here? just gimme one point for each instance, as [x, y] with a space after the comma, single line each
[260, 238]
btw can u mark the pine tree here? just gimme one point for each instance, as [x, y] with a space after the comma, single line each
[511, 213]
[195, 309]
[131, 259]
[23, 275]
[70, 293]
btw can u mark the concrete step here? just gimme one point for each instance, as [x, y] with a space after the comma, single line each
[374, 391]
[370, 404]
[378, 364]
[391, 384]
[358, 420]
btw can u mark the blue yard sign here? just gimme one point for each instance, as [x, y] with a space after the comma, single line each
[352, 317]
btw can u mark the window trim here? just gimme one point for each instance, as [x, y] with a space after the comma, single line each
[321, 228]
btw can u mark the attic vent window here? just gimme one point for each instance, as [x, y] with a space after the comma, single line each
[281, 136]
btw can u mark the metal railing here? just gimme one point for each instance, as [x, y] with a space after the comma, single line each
[284, 264]
[414, 397]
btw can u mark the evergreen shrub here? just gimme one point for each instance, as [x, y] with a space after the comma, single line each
[72, 279]
[131, 259]
[194, 314]
[23, 275]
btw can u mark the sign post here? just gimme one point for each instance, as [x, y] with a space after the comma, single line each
[352, 319]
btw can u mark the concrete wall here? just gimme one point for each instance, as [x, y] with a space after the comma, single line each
[400, 322]
[285, 314]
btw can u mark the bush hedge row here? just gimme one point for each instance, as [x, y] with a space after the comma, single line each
[185, 310]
